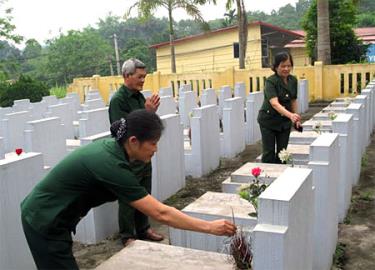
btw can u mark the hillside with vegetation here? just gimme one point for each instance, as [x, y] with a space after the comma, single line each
[81, 53]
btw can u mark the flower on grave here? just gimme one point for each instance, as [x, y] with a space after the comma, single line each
[252, 191]
[332, 115]
[256, 171]
[317, 126]
[286, 157]
[19, 151]
[240, 248]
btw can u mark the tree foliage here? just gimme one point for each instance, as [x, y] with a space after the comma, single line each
[24, 87]
[345, 46]
[77, 54]
[6, 26]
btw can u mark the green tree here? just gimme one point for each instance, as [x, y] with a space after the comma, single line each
[24, 87]
[242, 29]
[10, 60]
[6, 26]
[345, 46]
[77, 54]
[139, 49]
[148, 7]
[323, 36]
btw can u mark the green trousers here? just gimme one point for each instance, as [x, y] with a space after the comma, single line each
[269, 139]
[133, 223]
[49, 253]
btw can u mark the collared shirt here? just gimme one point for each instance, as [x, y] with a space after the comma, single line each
[285, 93]
[90, 176]
[123, 102]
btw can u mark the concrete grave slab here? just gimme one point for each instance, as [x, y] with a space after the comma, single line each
[141, 255]
[210, 206]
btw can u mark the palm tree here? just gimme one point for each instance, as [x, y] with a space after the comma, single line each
[242, 29]
[323, 44]
[148, 7]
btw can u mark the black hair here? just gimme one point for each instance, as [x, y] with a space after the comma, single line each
[144, 125]
[281, 57]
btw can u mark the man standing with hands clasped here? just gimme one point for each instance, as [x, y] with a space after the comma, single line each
[132, 223]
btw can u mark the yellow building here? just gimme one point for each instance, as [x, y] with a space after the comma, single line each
[218, 50]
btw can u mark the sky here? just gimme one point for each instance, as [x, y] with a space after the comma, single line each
[44, 19]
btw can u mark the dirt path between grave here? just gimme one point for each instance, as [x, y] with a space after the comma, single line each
[358, 236]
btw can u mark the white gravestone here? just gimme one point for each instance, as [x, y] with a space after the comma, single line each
[233, 139]
[2, 148]
[51, 100]
[343, 125]
[240, 90]
[167, 106]
[283, 236]
[166, 91]
[66, 114]
[93, 104]
[39, 110]
[11, 128]
[204, 156]
[22, 105]
[4, 111]
[165, 180]
[18, 176]
[47, 137]
[355, 109]
[208, 97]
[253, 103]
[93, 122]
[324, 161]
[303, 96]
[224, 93]
[186, 104]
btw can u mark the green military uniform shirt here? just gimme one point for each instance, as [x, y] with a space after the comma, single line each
[123, 102]
[90, 176]
[275, 87]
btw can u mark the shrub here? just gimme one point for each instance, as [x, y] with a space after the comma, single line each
[24, 87]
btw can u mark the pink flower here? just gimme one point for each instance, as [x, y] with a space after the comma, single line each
[19, 151]
[256, 171]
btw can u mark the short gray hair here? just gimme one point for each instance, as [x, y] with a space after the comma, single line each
[130, 65]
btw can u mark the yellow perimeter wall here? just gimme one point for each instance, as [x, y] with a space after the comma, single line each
[325, 82]
[211, 53]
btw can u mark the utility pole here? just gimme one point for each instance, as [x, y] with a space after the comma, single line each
[110, 65]
[117, 56]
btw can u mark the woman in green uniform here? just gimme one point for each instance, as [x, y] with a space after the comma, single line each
[279, 109]
[92, 175]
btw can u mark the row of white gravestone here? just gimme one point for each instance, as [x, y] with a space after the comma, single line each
[331, 195]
